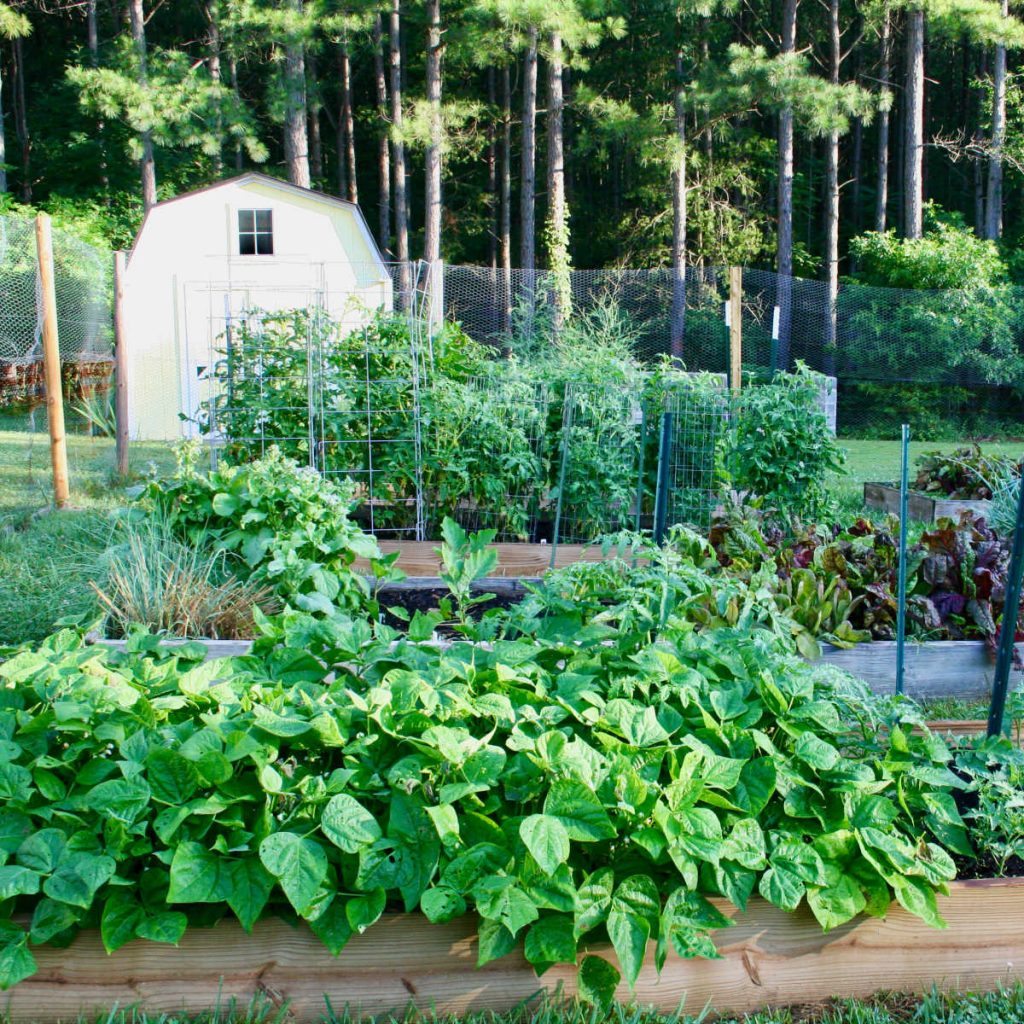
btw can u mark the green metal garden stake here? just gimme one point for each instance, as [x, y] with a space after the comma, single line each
[1008, 629]
[640, 471]
[901, 598]
[661, 493]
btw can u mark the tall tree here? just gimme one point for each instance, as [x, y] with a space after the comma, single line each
[211, 13]
[557, 230]
[432, 198]
[383, 141]
[784, 250]
[296, 138]
[679, 214]
[994, 200]
[398, 148]
[885, 82]
[913, 147]
[528, 171]
[12, 26]
[147, 161]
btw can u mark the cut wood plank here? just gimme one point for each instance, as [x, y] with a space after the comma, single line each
[971, 727]
[937, 668]
[923, 507]
[420, 558]
[768, 958]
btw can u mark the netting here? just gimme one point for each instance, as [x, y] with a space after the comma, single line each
[85, 332]
[950, 363]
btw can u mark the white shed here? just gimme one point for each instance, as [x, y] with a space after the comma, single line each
[207, 257]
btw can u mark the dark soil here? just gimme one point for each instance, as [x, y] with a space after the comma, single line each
[428, 598]
[986, 866]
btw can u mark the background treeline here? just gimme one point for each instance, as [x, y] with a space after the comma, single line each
[529, 133]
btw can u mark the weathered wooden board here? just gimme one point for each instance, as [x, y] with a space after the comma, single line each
[970, 727]
[769, 958]
[214, 648]
[420, 558]
[938, 668]
[920, 506]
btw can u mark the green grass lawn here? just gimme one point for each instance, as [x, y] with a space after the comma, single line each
[45, 554]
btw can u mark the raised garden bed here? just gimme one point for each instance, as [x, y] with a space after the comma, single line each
[768, 958]
[971, 728]
[922, 507]
[936, 668]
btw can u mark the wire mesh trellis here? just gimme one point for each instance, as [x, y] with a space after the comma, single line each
[600, 478]
[486, 454]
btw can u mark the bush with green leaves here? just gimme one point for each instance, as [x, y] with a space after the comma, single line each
[282, 524]
[779, 448]
[587, 779]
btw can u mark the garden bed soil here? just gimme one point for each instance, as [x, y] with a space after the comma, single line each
[769, 958]
[924, 507]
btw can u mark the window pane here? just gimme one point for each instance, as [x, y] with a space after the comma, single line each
[263, 220]
[246, 220]
[246, 244]
[265, 243]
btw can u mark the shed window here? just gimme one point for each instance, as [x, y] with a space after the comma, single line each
[255, 233]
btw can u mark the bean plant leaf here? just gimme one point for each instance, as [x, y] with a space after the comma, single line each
[348, 824]
[299, 865]
[547, 839]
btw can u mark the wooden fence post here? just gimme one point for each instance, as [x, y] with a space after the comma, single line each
[51, 362]
[735, 327]
[120, 369]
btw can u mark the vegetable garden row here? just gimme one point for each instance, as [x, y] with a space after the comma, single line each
[635, 778]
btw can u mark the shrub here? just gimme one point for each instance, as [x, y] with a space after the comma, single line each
[288, 527]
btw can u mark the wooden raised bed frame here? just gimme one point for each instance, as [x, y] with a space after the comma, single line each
[769, 958]
[923, 507]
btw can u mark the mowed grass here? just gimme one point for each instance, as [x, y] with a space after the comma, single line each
[45, 554]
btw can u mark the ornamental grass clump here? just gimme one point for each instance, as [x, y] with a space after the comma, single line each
[592, 775]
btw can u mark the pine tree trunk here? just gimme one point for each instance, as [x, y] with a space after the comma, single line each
[383, 143]
[296, 138]
[678, 326]
[882, 173]
[913, 188]
[398, 151]
[316, 148]
[233, 71]
[994, 207]
[832, 195]
[506, 196]
[492, 173]
[348, 125]
[784, 255]
[3, 134]
[432, 194]
[558, 223]
[147, 163]
[527, 214]
[213, 64]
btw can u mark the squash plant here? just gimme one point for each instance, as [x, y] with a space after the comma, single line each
[576, 781]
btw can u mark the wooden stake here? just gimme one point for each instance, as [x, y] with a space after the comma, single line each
[51, 362]
[120, 369]
[735, 327]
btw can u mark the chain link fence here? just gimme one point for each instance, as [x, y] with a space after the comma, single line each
[950, 363]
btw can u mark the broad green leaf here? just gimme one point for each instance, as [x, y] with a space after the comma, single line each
[78, 878]
[198, 876]
[635, 911]
[442, 903]
[781, 887]
[581, 812]
[332, 927]
[836, 904]
[547, 840]
[121, 799]
[50, 918]
[917, 896]
[594, 900]
[500, 899]
[551, 940]
[348, 824]
[299, 865]
[121, 916]
[494, 941]
[43, 850]
[17, 881]
[16, 961]
[598, 980]
[172, 778]
[363, 911]
[249, 890]
[816, 752]
[164, 926]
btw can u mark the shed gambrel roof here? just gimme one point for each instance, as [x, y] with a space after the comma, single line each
[257, 177]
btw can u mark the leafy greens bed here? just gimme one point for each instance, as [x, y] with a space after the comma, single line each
[592, 774]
